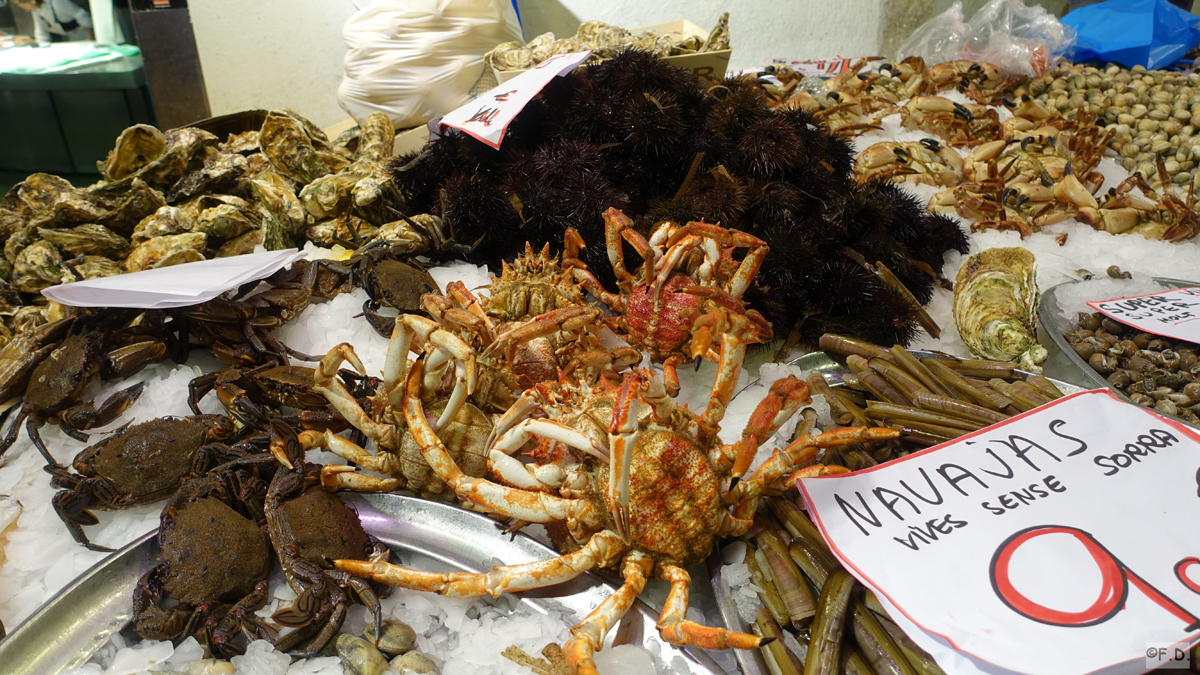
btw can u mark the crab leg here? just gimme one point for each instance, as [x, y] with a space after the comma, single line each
[522, 476]
[782, 401]
[601, 550]
[744, 496]
[517, 412]
[325, 382]
[622, 439]
[670, 373]
[589, 282]
[500, 499]
[565, 319]
[675, 629]
[747, 271]
[614, 222]
[733, 352]
[587, 636]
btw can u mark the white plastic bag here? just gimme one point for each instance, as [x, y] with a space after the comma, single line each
[1020, 40]
[417, 59]
[940, 39]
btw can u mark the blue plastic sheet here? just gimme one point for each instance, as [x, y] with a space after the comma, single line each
[1151, 33]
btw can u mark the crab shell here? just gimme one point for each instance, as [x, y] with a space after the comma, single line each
[664, 326]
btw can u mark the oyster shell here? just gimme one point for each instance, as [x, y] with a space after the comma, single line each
[377, 138]
[167, 220]
[219, 170]
[27, 318]
[288, 146]
[39, 266]
[88, 239]
[245, 143]
[345, 229]
[40, 191]
[10, 302]
[274, 196]
[718, 37]
[348, 139]
[150, 252]
[17, 242]
[243, 244]
[256, 165]
[95, 267]
[10, 221]
[995, 306]
[136, 147]
[131, 207]
[228, 218]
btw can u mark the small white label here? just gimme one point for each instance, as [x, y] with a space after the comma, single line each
[1174, 314]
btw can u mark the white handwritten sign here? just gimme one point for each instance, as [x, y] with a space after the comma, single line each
[1173, 313]
[1062, 541]
[487, 117]
[174, 286]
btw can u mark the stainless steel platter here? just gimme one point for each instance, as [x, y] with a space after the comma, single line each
[73, 625]
[752, 662]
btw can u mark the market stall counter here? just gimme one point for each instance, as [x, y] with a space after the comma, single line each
[60, 106]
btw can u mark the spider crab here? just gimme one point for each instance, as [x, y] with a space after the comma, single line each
[643, 488]
[686, 294]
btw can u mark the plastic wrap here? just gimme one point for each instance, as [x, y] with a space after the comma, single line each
[1020, 40]
[1150, 33]
[417, 59]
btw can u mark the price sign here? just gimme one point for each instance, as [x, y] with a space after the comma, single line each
[487, 117]
[1175, 314]
[1062, 541]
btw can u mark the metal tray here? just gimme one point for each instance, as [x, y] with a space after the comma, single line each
[68, 630]
[751, 661]
[1052, 320]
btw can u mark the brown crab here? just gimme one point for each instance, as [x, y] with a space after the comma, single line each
[247, 395]
[138, 464]
[651, 499]
[57, 383]
[308, 528]
[927, 162]
[214, 561]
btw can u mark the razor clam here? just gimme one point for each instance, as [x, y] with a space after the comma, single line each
[150, 252]
[995, 306]
[39, 266]
[87, 239]
[167, 220]
[136, 147]
[284, 141]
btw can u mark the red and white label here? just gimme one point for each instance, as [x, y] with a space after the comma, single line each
[1174, 314]
[487, 117]
[1063, 541]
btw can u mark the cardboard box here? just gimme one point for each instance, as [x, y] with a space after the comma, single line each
[710, 66]
[406, 141]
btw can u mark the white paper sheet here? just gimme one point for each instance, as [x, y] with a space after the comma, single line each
[175, 286]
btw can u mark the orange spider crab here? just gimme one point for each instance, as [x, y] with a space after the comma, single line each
[641, 486]
[686, 293]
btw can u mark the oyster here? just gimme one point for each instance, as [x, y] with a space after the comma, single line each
[167, 220]
[718, 37]
[27, 318]
[348, 139]
[256, 165]
[995, 306]
[377, 138]
[149, 253]
[276, 198]
[245, 143]
[136, 147]
[228, 218]
[345, 229]
[219, 170]
[39, 266]
[40, 191]
[243, 244]
[88, 239]
[10, 221]
[288, 146]
[94, 267]
[139, 201]
[17, 242]
[10, 302]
